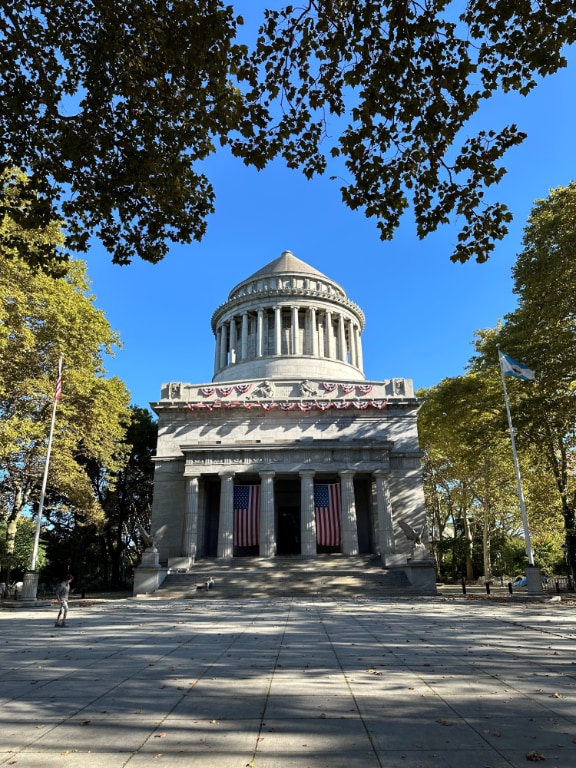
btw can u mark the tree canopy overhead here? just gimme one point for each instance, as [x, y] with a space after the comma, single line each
[111, 108]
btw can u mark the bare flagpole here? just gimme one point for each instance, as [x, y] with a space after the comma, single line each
[529, 551]
[57, 394]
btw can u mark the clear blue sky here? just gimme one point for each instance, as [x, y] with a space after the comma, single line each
[421, 309]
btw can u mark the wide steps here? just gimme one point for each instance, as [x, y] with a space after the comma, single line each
[326, 577]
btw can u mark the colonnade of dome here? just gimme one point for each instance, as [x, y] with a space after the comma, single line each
[288, 319]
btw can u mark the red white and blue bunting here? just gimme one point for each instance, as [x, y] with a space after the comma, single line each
[327, 386]
[301, 405]
[346, 389]
[240, 389]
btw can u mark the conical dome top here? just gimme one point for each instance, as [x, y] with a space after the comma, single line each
[287, 263]
[288, 319]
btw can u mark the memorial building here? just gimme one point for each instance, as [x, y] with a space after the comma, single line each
[289, 450]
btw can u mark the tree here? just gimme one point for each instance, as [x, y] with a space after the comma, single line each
[126, 499]
[41, 318]
[469, 478]
[112, 107]
[23, 546]
[542, 333]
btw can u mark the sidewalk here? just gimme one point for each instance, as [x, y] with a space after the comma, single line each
[440, 682]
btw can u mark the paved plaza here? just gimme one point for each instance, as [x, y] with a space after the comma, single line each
[420, 683]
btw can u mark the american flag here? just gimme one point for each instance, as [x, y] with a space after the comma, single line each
[327, 506]
[246, 508]
[58, 390]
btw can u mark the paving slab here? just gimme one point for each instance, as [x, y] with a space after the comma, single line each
[290, 683]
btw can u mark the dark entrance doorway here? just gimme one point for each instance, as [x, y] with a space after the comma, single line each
[209, 547]
[288, 531]
[287, 494]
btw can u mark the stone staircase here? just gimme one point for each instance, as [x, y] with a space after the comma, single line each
[326, 577]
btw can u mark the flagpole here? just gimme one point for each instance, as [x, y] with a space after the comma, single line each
[46, 465]
[529, 551]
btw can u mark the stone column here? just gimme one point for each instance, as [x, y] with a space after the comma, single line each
[351, 341]
[277, 330]
[224, 346]
[359, 350]
[342, 338]
[329, 335]
[313, 332]
[307, 519]
[266, 332]
[233, 340]
[322, 336]
[385, 521]
[190, 543]
[295, 332]
[244, 335]
[259, 333]
[355, 331]
[266, 523]
[218, 346]
[226, 520]
[349, 526]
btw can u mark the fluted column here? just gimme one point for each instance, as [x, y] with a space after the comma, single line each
[266, 332]
[190, 543]
[226, 520]
[322, 352]
[233, 340]
[342, 338]
[244, 335]
[359, 350]
[385, 520]
[295, 333]
[356, 333]
[259, 324]
[266, 524]
[224, 346]
[307, 520]
[351, 340]
[330, 335]
[313, 332]
[277, 330]
[349, 525]
[217, 353]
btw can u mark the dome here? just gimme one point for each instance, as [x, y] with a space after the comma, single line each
[288, 319]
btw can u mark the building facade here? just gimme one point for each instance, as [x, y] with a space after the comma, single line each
[289, 450]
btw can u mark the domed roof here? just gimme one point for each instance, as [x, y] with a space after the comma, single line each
[288, 319]
[286, 262]
[288, 265]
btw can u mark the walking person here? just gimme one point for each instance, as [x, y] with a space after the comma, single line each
[62, 592]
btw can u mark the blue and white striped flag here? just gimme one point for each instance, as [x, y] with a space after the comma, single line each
[513, 368]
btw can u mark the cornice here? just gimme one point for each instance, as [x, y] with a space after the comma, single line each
[288, 294]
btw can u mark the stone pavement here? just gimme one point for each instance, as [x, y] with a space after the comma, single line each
[447, 682]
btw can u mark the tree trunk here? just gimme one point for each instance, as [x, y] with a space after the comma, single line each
[11, 528]
[486, 550]
[469, 562]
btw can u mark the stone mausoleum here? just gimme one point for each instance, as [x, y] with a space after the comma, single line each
[289, 450]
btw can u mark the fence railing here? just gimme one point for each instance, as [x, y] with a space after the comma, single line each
[558, 584]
